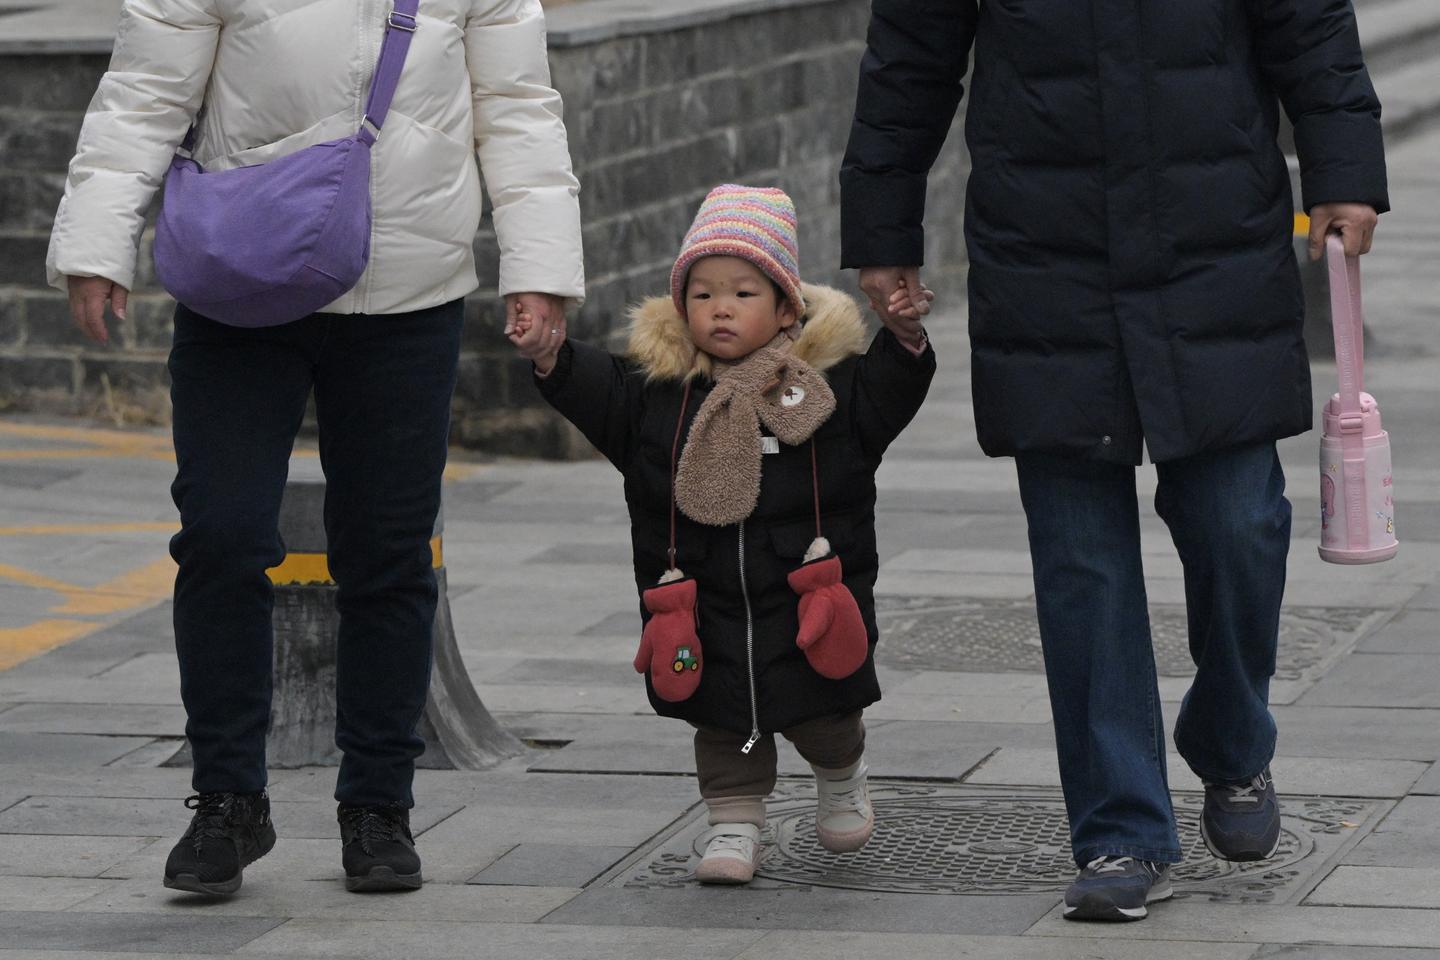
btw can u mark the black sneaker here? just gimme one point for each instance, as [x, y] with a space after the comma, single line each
[377, 849]
[1117, 889]
[1241, 821]
[229, 832]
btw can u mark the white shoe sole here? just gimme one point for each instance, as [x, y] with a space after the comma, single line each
[727, 870]
[1209, 845]
[1100, 910]
[845, 842]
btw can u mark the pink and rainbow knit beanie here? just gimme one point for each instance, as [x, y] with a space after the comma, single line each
[752, 223]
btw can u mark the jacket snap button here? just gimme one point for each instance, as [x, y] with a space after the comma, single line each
[1106, 440]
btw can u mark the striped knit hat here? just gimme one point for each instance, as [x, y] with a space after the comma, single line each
[753, 223]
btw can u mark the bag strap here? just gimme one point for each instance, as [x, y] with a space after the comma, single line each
[1347, 318]
[400, 26]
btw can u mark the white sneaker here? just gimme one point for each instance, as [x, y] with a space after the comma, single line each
[732, 851]
[844, 818]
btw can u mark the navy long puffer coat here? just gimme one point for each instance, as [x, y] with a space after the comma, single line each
[1128, 216]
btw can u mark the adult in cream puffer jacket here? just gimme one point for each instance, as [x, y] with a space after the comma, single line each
[269, 77]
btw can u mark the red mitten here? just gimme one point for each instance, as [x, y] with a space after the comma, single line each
[669, 646]
[832, 632]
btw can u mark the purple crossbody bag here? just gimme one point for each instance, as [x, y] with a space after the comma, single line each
[268, 244]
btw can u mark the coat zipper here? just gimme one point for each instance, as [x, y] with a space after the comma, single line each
[749, 649]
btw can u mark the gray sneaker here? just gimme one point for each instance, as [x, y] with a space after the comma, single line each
[1117, 889]
[1241, 821]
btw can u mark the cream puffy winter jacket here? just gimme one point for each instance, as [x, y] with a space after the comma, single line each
[269, 77]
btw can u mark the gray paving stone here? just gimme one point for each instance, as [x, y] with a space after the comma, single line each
[266, 894]
[824, 945]
[674, 752]
[23, 855]
[1408, 837]
[374, 940]
[1427, 599]
[569, 697]
[1430, 783]
[58, 779]
[566, 554]
[129, 816]
[1281, 951]
[1294, 776]
[28, 954]
[136, 933]
[569, 670]
[65, 748]
[1359, 732]
[1380, 680]
[95, 718]
[597, 823]
[511, 787]
[47, 893]
[1188, 921]
[804, 909]
[551, 865]
[1411, 631]
[1380, 887]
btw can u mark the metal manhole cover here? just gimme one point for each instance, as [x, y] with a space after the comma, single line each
[1002, 636]
[952, 838]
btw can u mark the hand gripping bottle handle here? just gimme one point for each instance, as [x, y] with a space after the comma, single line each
[1357, 504]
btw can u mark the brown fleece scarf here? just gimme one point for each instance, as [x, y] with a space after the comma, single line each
[718, 479]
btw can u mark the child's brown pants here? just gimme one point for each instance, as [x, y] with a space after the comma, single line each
[735, 785]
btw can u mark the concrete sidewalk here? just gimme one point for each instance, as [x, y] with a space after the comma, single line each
[582, 848]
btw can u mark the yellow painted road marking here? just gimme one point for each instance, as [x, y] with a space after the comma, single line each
[18, 644]
[86, 529]
[131, 589]
[302, 568]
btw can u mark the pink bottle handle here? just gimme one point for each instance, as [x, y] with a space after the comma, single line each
[1348, 321]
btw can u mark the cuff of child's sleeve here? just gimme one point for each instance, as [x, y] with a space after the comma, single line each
[554, 381]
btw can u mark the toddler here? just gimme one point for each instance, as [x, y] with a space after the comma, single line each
[748, 419]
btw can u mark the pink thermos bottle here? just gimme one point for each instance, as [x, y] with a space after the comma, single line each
[1357, 504]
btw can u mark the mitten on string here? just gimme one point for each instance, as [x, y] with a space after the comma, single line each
[669, 646]
[832, 632]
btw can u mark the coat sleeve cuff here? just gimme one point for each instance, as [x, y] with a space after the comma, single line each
[556, 380]
[1354, 174]
[882, 218]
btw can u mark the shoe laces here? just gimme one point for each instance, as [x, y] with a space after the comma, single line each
[1246, 792]
[727, 843]
[1108, 864]
[371, 825]
[212, 813]
[847, 800]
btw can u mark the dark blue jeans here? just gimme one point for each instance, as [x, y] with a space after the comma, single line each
[382, 388]
[1230, 522]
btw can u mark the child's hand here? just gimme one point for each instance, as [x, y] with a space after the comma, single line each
[910, 306]
[537, 334]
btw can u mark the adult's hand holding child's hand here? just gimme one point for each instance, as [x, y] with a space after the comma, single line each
[899, 299]
[535, 323]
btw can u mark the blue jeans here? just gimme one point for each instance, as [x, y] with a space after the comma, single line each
[1230, 522]
[382, 388]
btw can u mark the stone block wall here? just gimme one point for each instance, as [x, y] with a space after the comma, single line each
[658, 111]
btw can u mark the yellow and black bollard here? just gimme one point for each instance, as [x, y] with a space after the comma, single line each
[459, 732]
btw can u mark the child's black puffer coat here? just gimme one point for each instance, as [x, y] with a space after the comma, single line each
[629, 407]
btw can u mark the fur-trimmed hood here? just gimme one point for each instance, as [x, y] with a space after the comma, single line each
[660, 343]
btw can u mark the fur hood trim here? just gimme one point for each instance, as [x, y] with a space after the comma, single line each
[660, 338]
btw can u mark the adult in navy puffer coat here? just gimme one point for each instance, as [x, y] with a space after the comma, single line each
[1132, 287]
